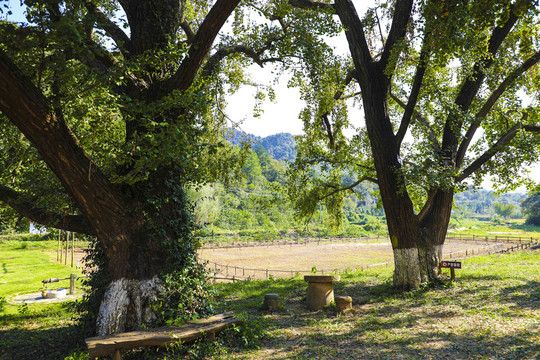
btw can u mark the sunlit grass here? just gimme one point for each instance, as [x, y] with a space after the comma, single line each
[23, 266]
[491, 310]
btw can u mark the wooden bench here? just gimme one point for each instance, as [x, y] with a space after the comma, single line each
[195, 329]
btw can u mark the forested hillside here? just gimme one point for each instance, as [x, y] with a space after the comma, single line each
[486, 204]
[278, 146]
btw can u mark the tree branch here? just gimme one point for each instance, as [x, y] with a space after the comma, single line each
[219, 55]
[349, 187]
[26, 208]
[532, 128]
[429, 201]
[402, 14]
[424, 121]
[413, 96]
[354, 31]
[122, 41]
[492, 151]
[326, 122]
[27, 108]
[490, 102]
[313, 5]
[202, 42]
[470, 87]
[188, 31]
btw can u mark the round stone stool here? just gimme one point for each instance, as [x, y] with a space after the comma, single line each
[320, 291]
[343, 303]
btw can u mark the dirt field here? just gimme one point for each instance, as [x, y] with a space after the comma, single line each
[326, 257]
[286, 260]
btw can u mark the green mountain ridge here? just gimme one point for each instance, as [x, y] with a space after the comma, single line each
[279, 146]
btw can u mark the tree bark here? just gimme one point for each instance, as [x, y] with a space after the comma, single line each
[433, 229]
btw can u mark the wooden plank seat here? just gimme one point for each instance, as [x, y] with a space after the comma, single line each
[192, 330]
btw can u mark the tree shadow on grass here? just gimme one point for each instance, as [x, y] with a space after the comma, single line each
[425, 345]
[524, 296]
[48, 332]
[55, 343]
[386, 325]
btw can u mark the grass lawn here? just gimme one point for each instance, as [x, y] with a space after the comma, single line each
[491, 311]
[24, 264]
[34, 331]
[513, 228]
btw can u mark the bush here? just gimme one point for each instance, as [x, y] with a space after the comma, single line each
[533, 220]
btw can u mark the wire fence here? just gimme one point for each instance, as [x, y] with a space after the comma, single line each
[225, 272]
[496, 238]
[299, 242]
[379, 238]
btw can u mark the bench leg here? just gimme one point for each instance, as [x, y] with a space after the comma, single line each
[117, 355]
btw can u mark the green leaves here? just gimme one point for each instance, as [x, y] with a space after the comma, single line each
[531, 207]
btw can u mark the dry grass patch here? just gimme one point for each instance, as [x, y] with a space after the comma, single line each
[288, 259]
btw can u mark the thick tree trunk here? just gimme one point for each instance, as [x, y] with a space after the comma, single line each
[402, 223]
[126, 305]
[407, 273]
[159, 244]
[433, 229]
[418, 265]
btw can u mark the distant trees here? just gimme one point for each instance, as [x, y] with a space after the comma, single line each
[504, 210]
[531, 207]
[207, 206]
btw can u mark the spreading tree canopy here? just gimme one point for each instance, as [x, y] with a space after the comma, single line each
[110, 110]
[448, 91]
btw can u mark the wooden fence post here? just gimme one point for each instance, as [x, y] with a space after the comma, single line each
[72, 279]
[72, 247]
[67, 244]
[58, 252]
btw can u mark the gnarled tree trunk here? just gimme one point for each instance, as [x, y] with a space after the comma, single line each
[143, 231]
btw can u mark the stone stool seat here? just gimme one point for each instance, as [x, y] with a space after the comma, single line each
[343, 303]
[271, 302]
[320, 291]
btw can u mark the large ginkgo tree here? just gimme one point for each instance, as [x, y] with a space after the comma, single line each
[448, 91]
[109, 111]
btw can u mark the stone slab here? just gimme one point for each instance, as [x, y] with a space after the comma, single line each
[321, 278]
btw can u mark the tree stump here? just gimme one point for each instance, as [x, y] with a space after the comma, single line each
[320, 291]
